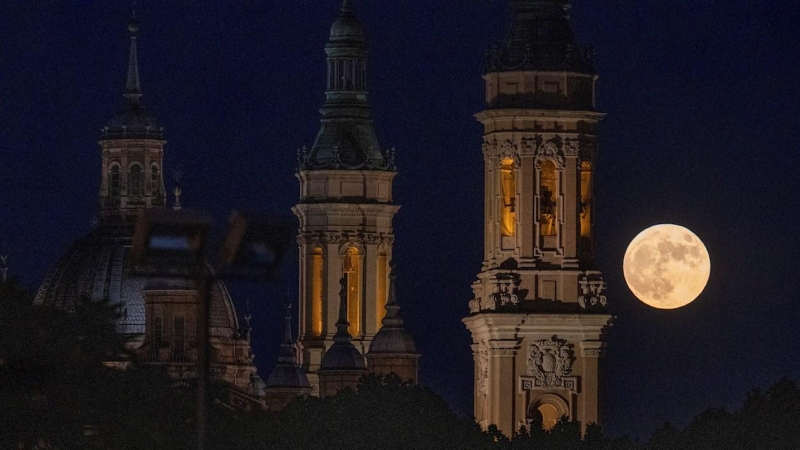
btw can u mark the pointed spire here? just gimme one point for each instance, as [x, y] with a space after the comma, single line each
[342, 336]
[347, 6]
[133, 90]
[4, 267]
[392, 318]
[287, 353]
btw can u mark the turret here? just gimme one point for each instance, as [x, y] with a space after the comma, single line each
[132, 149]
[393, 350]
[287, 381]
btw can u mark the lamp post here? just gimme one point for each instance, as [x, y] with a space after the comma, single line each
[166, 241]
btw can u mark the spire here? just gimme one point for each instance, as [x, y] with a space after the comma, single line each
[540, 38]
[392, 337]
[133, 90]
[346, 139]
[4, 267]
[288, 353]
[288, 373]
[342, 355]
[342, 336]
[392, 318]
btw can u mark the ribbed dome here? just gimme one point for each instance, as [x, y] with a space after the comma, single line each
[98, 267]
[347, 27]
[133, 122]
[392, 340]
[342, 356]
[288, 375]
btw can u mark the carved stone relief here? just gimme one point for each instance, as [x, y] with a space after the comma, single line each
[592, 286]
[549, 362]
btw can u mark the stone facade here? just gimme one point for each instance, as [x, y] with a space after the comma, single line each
[537, 317]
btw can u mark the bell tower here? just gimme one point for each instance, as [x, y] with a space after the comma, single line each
[132, 146]
[538, 316]
[345, 207]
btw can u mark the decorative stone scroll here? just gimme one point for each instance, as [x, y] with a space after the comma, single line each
[483, 367]
[495, 151]
[336, 237]
[549, 362]
[504, 295]
[592, 286]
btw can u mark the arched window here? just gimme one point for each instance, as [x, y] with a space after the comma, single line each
[548, 198]
[382, 291]
[114, 185]
[586, 206]
[352, 270]
[547, 415]
[508, 216]
[547, 410]
[155, 179]
[135, 180]
[316, 291]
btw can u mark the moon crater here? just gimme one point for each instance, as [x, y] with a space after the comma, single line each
[666, 266]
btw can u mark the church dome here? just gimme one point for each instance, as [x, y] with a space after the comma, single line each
[341, 356]
[99, 267]
[347, 28]
[133, 122]
[392, 340]
[288, 375]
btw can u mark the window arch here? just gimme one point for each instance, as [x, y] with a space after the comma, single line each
[352, 270]
[508, 184]
[381, 289]
[114, 184]
[547, 410]
[316, 291]
[135, 180]
[586, 205]
[155, 179]
[548, 198]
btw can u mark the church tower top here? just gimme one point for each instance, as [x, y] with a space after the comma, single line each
[132, 150]
[134, 121]
[346, 139]
[540, 38]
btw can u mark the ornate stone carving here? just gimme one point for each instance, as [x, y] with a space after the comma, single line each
[593, 352]
[572, 147]
[307, 161]
[551, 150]
[337, 237]
[483, 367]
[549, 361]
[504, 294]
[495, 151]
[592, 286]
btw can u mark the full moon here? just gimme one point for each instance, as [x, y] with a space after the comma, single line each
[666, 266]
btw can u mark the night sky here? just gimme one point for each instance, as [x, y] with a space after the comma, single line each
[702, 130]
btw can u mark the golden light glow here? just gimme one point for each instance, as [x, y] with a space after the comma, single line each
[508, 217]
[352, 264]
[586, 199]
[316, 291]
[666, 266]
[549, 415]
[548, 193]
[380, 298]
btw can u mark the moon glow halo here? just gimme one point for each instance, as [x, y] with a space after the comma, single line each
[666, 266]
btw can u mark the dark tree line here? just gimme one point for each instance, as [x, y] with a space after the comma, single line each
[56, 392]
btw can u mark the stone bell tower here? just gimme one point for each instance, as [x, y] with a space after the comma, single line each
[132, 146]
[345, 207]
[538, 316]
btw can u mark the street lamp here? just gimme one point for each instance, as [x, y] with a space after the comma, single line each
[166, 241]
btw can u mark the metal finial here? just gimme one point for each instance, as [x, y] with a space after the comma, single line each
[177, 191]
[4, 266]
[347, 6]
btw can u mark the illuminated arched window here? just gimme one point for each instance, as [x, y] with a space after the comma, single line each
[352, 269]
[547, 415]
[316, 291]
[548, 198]
[135, 180]
[586, 205]
[508, 181]
[382, 293]
[114, 185]
[155, 179]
